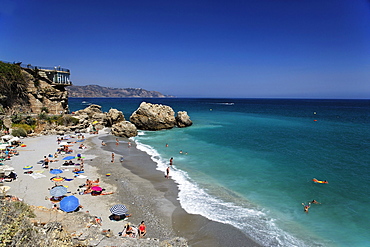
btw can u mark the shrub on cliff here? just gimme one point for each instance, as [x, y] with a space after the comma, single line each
[19, 132]
[12, 85]
[67, 120]
[15, 228]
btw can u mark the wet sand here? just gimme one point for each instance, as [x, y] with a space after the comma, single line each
[161, 194]
[145, 191]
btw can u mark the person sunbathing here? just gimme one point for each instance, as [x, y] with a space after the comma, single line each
[87, 191]
[78, 170]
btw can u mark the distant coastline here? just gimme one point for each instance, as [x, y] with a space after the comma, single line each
[96, 91]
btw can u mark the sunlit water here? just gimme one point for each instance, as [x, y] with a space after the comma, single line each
[250, 163]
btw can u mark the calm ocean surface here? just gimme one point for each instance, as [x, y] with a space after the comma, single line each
[250, 163]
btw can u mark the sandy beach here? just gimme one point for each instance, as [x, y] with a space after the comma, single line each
[135, 182]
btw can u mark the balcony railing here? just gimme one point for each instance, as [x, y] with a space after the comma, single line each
[29, 66]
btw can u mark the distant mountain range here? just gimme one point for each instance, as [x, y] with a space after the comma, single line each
[96, 91]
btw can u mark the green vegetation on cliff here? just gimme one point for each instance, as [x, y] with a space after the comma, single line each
[12, 85]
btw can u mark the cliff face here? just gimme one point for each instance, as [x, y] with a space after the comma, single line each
[95, 91]
[30, 91]
[43, 95]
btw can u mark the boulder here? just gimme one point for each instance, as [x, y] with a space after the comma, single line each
[90, 110]
[115, 116]
[153, 117]
[182, 119]
[124, 129]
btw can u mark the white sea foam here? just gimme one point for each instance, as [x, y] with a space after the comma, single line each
[195, 200]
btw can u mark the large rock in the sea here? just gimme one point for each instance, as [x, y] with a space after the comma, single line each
[153, 117]
[183, 119]
[124, 129]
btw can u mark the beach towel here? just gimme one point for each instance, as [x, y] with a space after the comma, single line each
[37, 175]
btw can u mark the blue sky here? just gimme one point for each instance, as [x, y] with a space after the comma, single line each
[244, 48]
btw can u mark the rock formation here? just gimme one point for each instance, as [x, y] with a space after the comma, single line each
[153, 117]
[26, 90]
[183, 120]
[115, 116]
[124, 129]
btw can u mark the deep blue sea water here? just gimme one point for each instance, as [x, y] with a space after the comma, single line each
[250, 163]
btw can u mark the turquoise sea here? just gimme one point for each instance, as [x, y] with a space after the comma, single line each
[250, 163]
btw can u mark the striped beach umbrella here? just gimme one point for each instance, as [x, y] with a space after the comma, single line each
[57, 179]
[118, 209]
[27, 167]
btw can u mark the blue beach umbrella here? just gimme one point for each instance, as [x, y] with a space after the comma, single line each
[27, 167]
[69, 203]
[58, 191]
[56, 171]
[69, 158]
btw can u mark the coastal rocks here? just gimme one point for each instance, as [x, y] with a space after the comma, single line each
[153, 117]
[124, 129]
[115, 116]
[182, 119]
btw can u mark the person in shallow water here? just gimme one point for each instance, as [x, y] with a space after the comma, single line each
[306, 207]
[315, 202]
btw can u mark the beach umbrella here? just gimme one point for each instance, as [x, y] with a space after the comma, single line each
[118, 209]
[69, 203]
[63, 143]
[57, 179]
[69, 158]
[96, 188]
[27, 167]
[56, 171]
[58, 191]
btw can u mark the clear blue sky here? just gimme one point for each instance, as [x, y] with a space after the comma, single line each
[195, 48]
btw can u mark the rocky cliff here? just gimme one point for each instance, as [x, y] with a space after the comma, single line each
[96, 91]
[30, 91]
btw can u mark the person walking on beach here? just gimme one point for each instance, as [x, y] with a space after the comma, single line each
[117, 141]
[129, 144]
[168, 172]
[112, 157]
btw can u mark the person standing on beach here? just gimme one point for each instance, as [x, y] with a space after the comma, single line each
[112, 157]
[129, 144]
[46, 162]
[168, 172]
[117, 141]
[171, 161]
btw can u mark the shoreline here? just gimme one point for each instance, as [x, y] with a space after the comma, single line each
[136, 183]
[198, 230]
